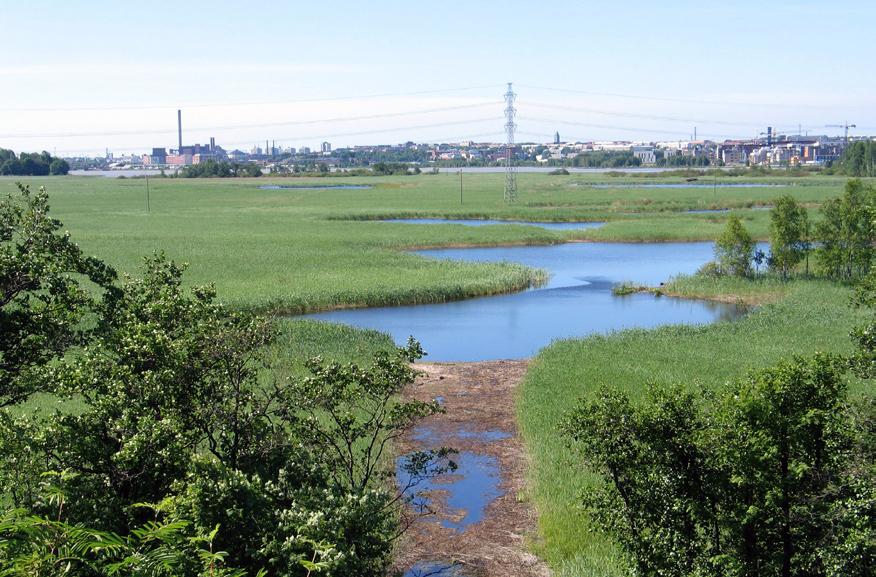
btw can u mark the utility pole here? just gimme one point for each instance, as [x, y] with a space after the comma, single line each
[510, 170]
[460, 186]
[147, 194]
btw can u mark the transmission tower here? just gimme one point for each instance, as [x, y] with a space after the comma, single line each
[510, 170]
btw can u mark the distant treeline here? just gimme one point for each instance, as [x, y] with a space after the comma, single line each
[31, 164]
[626, 158]
[214, 169]
[859, 159]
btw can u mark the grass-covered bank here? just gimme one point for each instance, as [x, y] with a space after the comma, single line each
[814, 316]
[297, 250]
[754, 291]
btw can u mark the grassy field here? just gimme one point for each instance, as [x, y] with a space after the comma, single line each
[291, 251]
[814, 316]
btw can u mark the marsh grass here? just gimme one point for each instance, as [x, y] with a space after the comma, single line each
[291, 251]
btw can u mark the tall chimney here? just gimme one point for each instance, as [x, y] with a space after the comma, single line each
[179, 129]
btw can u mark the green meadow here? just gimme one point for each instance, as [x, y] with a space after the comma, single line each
[292, 251]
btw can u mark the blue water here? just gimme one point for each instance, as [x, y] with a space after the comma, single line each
[703, 184]
[577, 301]
[722, 210]
[473, 222]
[434, 569]
[469, 490]
[315, 187]
[430, 438]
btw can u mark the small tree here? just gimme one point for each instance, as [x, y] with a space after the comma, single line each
[734, 249]
[846, 233]
[789, 231]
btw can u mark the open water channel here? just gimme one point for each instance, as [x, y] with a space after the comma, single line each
[576, 301]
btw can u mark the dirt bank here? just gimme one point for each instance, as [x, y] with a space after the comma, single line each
[480, 419]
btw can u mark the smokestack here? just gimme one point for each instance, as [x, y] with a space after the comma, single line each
[179, 128]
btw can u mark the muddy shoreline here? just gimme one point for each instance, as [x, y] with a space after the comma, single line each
[479, 399]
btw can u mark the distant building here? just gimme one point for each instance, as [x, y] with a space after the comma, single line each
[645, 154]
[733, 155]
[557, 137]
[157, 158]
[326, 147]
[304, 150]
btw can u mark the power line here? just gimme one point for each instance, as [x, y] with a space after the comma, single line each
[682, 100]
[643, 116]
[250, 103]
[258, 125]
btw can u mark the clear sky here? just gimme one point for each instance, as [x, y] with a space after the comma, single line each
[77, 77]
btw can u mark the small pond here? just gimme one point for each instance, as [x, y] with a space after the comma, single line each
[315, 187]
[703, 184]
[474, 222]
[467, 491]
[434, 569]
[577, 300]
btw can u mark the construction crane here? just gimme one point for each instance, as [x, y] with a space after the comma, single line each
[845, 126]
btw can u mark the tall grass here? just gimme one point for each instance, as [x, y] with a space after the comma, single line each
[296, 250]
[815, 316]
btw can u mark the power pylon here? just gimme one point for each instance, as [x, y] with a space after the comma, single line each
[510, 169]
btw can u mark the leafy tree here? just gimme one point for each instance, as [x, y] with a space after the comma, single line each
[789, 233]
[773, 478]
[31, 164]
[858, 159]
[846, 233]
[781, 435]
[659, 497]
[43, 301]
[58, 166]
[734, 249]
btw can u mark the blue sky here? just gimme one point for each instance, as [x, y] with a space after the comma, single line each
[81, 76]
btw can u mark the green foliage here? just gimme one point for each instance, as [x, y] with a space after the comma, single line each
[31, 164]
[858, 159]
[789, 234]
[734, 249]
[42, 300]
[756, 484]
[846, 233]
[388, 168]
[177, 402]
[218, 169]
[34, 546]
[607, 159]
[810, 316]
